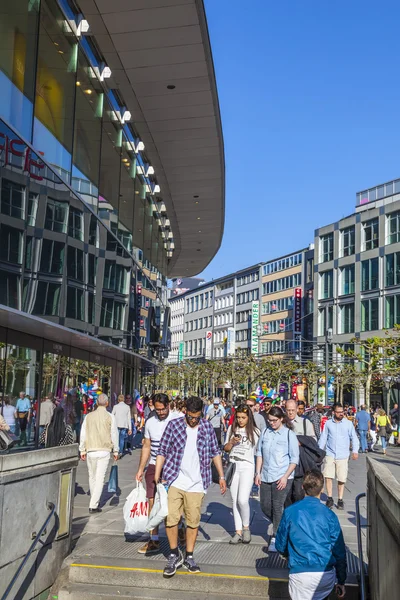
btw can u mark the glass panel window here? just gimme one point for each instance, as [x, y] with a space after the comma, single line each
[47, 299]
[56, 216]
[392, 311]
[52, 257]
[370, 315]
[370, 274]
[348, 240]
[348, 279]
[347, 318]
[392, 269]
[75, 263]
[323, 326]
[393, 227]
[371, 234]
[9, 289]
[32, 208]
[75, 223]
[12, 199]
[75, 304]
[10, 245]
[326, 285]
[326, 247]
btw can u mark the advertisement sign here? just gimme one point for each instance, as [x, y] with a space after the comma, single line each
[297, 311]
[209, 344]
[230, 343]
[180, 351]
[255, 319]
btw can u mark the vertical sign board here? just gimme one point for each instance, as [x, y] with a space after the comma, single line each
[139, 318]
[180, 352]
[297, 312]
[255, 319]
[230, 343]
[209, 344]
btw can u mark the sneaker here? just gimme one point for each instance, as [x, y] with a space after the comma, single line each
[246, 536]
[191, 565]
[174, 562]
[271, 547]
[151, 547]
[182, 536]
[236, 539]
[329, 503]
[340, 505]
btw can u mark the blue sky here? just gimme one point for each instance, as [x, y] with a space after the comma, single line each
[310, 103]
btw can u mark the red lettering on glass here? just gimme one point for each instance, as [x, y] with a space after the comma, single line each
[10, 146]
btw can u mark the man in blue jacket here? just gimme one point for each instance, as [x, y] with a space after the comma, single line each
[310, 535]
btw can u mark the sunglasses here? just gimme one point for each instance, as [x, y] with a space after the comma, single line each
[190, 418]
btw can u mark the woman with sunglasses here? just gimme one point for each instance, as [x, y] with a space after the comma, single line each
[242, 436]
[277, 456]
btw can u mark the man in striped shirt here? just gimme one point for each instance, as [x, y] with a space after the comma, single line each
[153, 432]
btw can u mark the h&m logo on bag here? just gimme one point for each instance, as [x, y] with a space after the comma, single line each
[140, 509]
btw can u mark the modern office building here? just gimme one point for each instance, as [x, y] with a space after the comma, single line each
[357, 269]
[112, 181]
[287, 284]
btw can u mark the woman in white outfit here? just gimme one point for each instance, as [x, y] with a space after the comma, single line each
[242, 437]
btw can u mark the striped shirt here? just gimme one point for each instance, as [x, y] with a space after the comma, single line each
[153, 431]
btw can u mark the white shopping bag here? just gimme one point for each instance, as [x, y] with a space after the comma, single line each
[136, 511]
[391, 440]
[160, 508]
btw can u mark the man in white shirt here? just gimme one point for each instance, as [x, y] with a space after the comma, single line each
[99, 436]
[122, 414]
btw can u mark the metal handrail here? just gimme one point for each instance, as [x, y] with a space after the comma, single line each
[360, 548]
[52, 509]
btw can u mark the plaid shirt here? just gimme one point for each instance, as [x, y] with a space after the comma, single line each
[172, 447]
[315, 419]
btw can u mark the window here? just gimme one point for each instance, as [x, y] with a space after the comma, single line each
[348, 241]
[370, 274]
[12, 199]
[75, 224]
[347, 318]
[393, 227]
[201, 301]
[191, 304]
[91, 308]
[56, 216]
[187, 305]
[369, 315]
[75, 304]
[52, 257]
[371, 234]
[326, 285]
[195, 348]
[32, 208]
[75, 263]
[392, 312]
[200, 323]
[205, 299]
[10, 245]
[93, 231]
[196, 303]
[393, 269]
[47, 299]
[28, 253]
[284, 283]
[348, 280]
[322, 324]
[9, 289]
[326, 247]
[92, 266]
[210, 321]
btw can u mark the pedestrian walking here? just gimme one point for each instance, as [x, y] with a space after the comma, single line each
[383, 427]
[337, 435]
[310, 536]
[9, 414]
[23, 412]
[216, 417]
[277, 456]
[242, 442]
[363, 427]
[57, 432]
[301, 408]
[316, 418]
[153, 432]
[186, 450]
[260, 419]
[99, 437]
[46, 412]
[122, 414]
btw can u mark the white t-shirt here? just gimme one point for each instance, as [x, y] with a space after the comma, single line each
[154, 430]
[245, 450]
[8, 414]
[189, 478]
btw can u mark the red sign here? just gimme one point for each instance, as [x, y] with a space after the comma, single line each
[17, 147]
[297, 310]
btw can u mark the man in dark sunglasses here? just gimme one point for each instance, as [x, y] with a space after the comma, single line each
[184, 454]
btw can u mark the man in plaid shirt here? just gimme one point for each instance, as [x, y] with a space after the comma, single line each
[186, 450]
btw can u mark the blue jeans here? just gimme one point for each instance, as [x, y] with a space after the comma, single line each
[363, 438]
[383, 442]
[123, 432]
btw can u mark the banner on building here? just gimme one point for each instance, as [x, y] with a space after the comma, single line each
[297, 311]
[180, 351]
[255, 319]
[230, 342]
[209, 344]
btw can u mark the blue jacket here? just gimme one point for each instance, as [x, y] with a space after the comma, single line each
[310, 534]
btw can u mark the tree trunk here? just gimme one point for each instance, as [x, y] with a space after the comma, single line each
[368, 390]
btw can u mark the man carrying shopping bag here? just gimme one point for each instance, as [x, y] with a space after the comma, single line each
[99, 437]
[186, 450]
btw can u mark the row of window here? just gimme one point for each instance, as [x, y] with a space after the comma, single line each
[245, 297]
[223, 319]
[243, 336]
[369, 241]
[278, 305]
[244, 316]
[223, 302]
[278, 326]
[202, 323]
[195, 347]
[284, 283]
[283, 263]
[369, 315]
[246, 279]
[276, 347]
[199, 302]
[369, 277]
